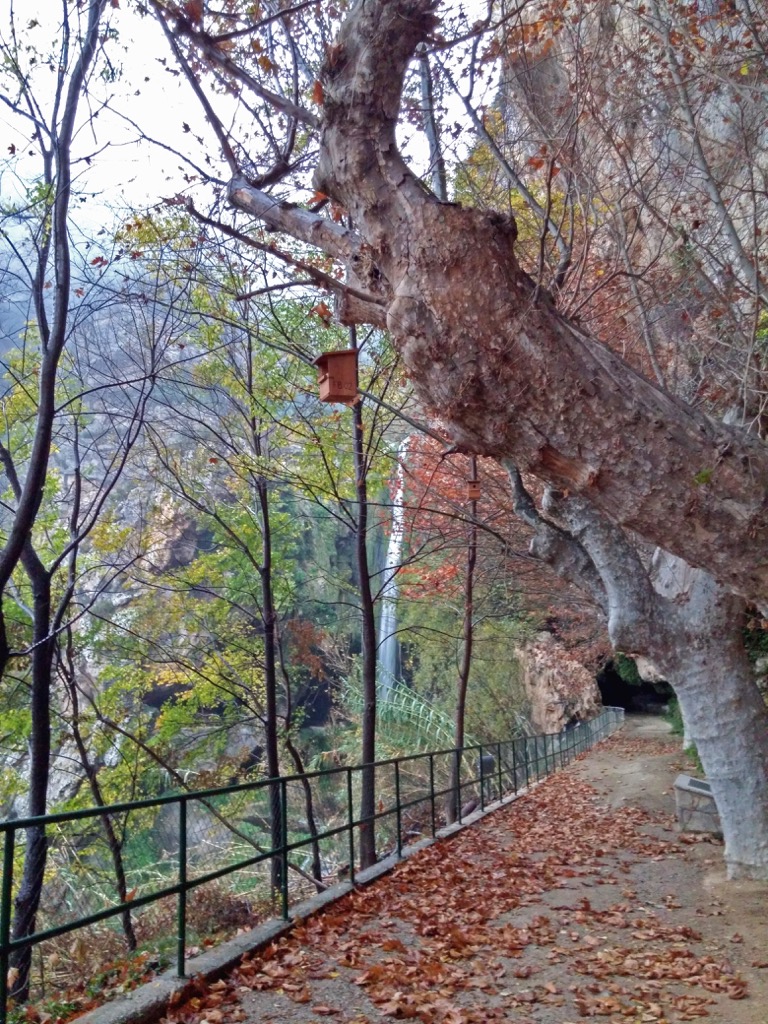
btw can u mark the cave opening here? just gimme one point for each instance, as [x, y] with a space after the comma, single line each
[623, 688]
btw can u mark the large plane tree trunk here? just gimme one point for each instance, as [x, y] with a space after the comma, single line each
[727, 720]
[702, 655]
[690, 627]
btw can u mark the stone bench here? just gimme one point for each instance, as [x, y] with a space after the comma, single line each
[695, 806]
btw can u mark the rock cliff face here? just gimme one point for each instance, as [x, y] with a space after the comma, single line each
[557, 687]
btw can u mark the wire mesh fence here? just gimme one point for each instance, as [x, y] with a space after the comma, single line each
[160, 879]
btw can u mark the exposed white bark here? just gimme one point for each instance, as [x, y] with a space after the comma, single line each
[691, 628]
[725, 716]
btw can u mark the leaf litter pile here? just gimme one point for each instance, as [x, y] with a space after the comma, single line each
[528, 916]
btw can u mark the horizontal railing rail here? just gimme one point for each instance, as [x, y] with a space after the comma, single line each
[488, 771]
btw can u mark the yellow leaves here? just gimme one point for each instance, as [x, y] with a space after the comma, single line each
[107, 537]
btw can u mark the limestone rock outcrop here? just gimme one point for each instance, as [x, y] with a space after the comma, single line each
[558, 688]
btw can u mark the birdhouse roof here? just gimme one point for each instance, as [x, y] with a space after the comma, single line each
[323, 358]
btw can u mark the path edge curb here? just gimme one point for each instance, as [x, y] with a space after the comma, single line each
[152, 1000]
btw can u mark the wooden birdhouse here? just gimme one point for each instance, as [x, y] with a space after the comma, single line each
[473, 490]
[337, 376]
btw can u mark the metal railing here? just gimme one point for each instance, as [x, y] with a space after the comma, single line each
[415, 797]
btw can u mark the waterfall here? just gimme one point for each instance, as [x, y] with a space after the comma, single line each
[388, 643]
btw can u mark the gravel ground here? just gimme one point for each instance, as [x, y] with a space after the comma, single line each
[577, 901]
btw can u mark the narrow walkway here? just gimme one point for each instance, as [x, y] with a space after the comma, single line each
[579, 900]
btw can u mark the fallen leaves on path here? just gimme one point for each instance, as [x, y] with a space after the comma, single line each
[462, 933]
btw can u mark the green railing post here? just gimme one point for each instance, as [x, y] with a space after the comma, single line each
[514, 766]
[284, 844]
[498, 769]
[181, 917]
[398, 812]
[6, 896]
[351, 826]
[432, 791]
[482, 780]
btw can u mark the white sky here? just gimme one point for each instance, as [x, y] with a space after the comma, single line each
[122, 171]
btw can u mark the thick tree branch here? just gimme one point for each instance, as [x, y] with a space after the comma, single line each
[355, 306]
[634, 608]
[555, 546]
[506, 373]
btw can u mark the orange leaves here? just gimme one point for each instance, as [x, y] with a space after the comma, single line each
[518, 915]
[317, 93]
[322, 310]
[194, 10]
[267, 65]
[394, 946]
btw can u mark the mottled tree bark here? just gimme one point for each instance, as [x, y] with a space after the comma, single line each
[690, 627]
[508, 376]
[489, 353]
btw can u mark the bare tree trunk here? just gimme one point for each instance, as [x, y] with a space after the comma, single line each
[270, 682]
[368, 641]
[466, 658]
[431, 129]
[27, 899]
[91, 773]
[309, 805]
[724, 713]
[298, 762]
[52, 321]
[269, 624]
[690, 626]
[727, 720]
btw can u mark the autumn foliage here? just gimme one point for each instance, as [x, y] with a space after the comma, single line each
[533, 910]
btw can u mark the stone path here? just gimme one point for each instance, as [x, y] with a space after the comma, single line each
[577, 901]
